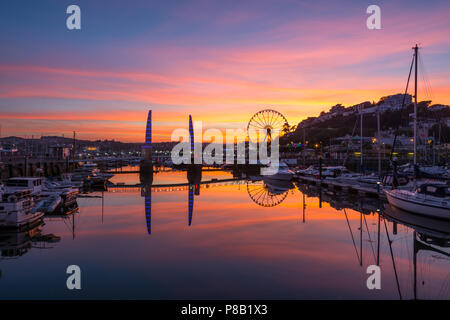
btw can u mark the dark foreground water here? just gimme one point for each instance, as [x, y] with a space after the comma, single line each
[245, 241]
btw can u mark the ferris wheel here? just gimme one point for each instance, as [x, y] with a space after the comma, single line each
[266, 120]
[262, 195]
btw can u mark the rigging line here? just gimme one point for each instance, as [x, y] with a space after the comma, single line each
[428, 86]
[410, 263]
[425, 86]
[370, 240]
[351, 233]
[68, 226]
[393, 261]
[350, 142]
[425, 74]
[401, 110]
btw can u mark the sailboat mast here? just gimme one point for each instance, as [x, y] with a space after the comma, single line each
[416, 51]
[361, 137]
[378, 142]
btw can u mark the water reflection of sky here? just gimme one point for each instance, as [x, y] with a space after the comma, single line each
[233, 249]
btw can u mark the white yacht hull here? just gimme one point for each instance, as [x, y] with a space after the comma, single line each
[17, 220]
[422, 208]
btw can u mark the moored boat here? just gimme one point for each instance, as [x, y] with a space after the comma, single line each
[432, 200]
[16, 210]
[34, 184]
[281, 173]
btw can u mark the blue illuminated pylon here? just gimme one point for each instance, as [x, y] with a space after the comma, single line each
[191, 135]
[148, 138]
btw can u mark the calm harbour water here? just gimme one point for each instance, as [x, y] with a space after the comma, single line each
[234, 248]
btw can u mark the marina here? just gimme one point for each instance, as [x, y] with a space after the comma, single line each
[289, 236]
[283, 228]
[290, 230]
[232, 157]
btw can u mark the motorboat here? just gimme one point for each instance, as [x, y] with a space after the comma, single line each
[281, 173]
[371, 179]
[430, 172]
[88, 175]
[64, 180]
[347, 178]
[429, 199]
[334, 171]
[48, 194]
[440, 172]
[48, 204]
[310, 171]
[34, 184]
[16, 209]
[58, 198]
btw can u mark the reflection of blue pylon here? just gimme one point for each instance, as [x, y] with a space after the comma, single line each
[148, 210]
[194, 190]
[148, 157]
[191, 202]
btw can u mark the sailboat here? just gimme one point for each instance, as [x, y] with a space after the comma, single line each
[431, 199]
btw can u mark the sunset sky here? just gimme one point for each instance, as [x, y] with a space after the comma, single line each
[220, 61]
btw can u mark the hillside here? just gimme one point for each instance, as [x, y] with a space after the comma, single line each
[346, 121]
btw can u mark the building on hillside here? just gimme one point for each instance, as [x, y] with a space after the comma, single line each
[59, 152]
[396, 100]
